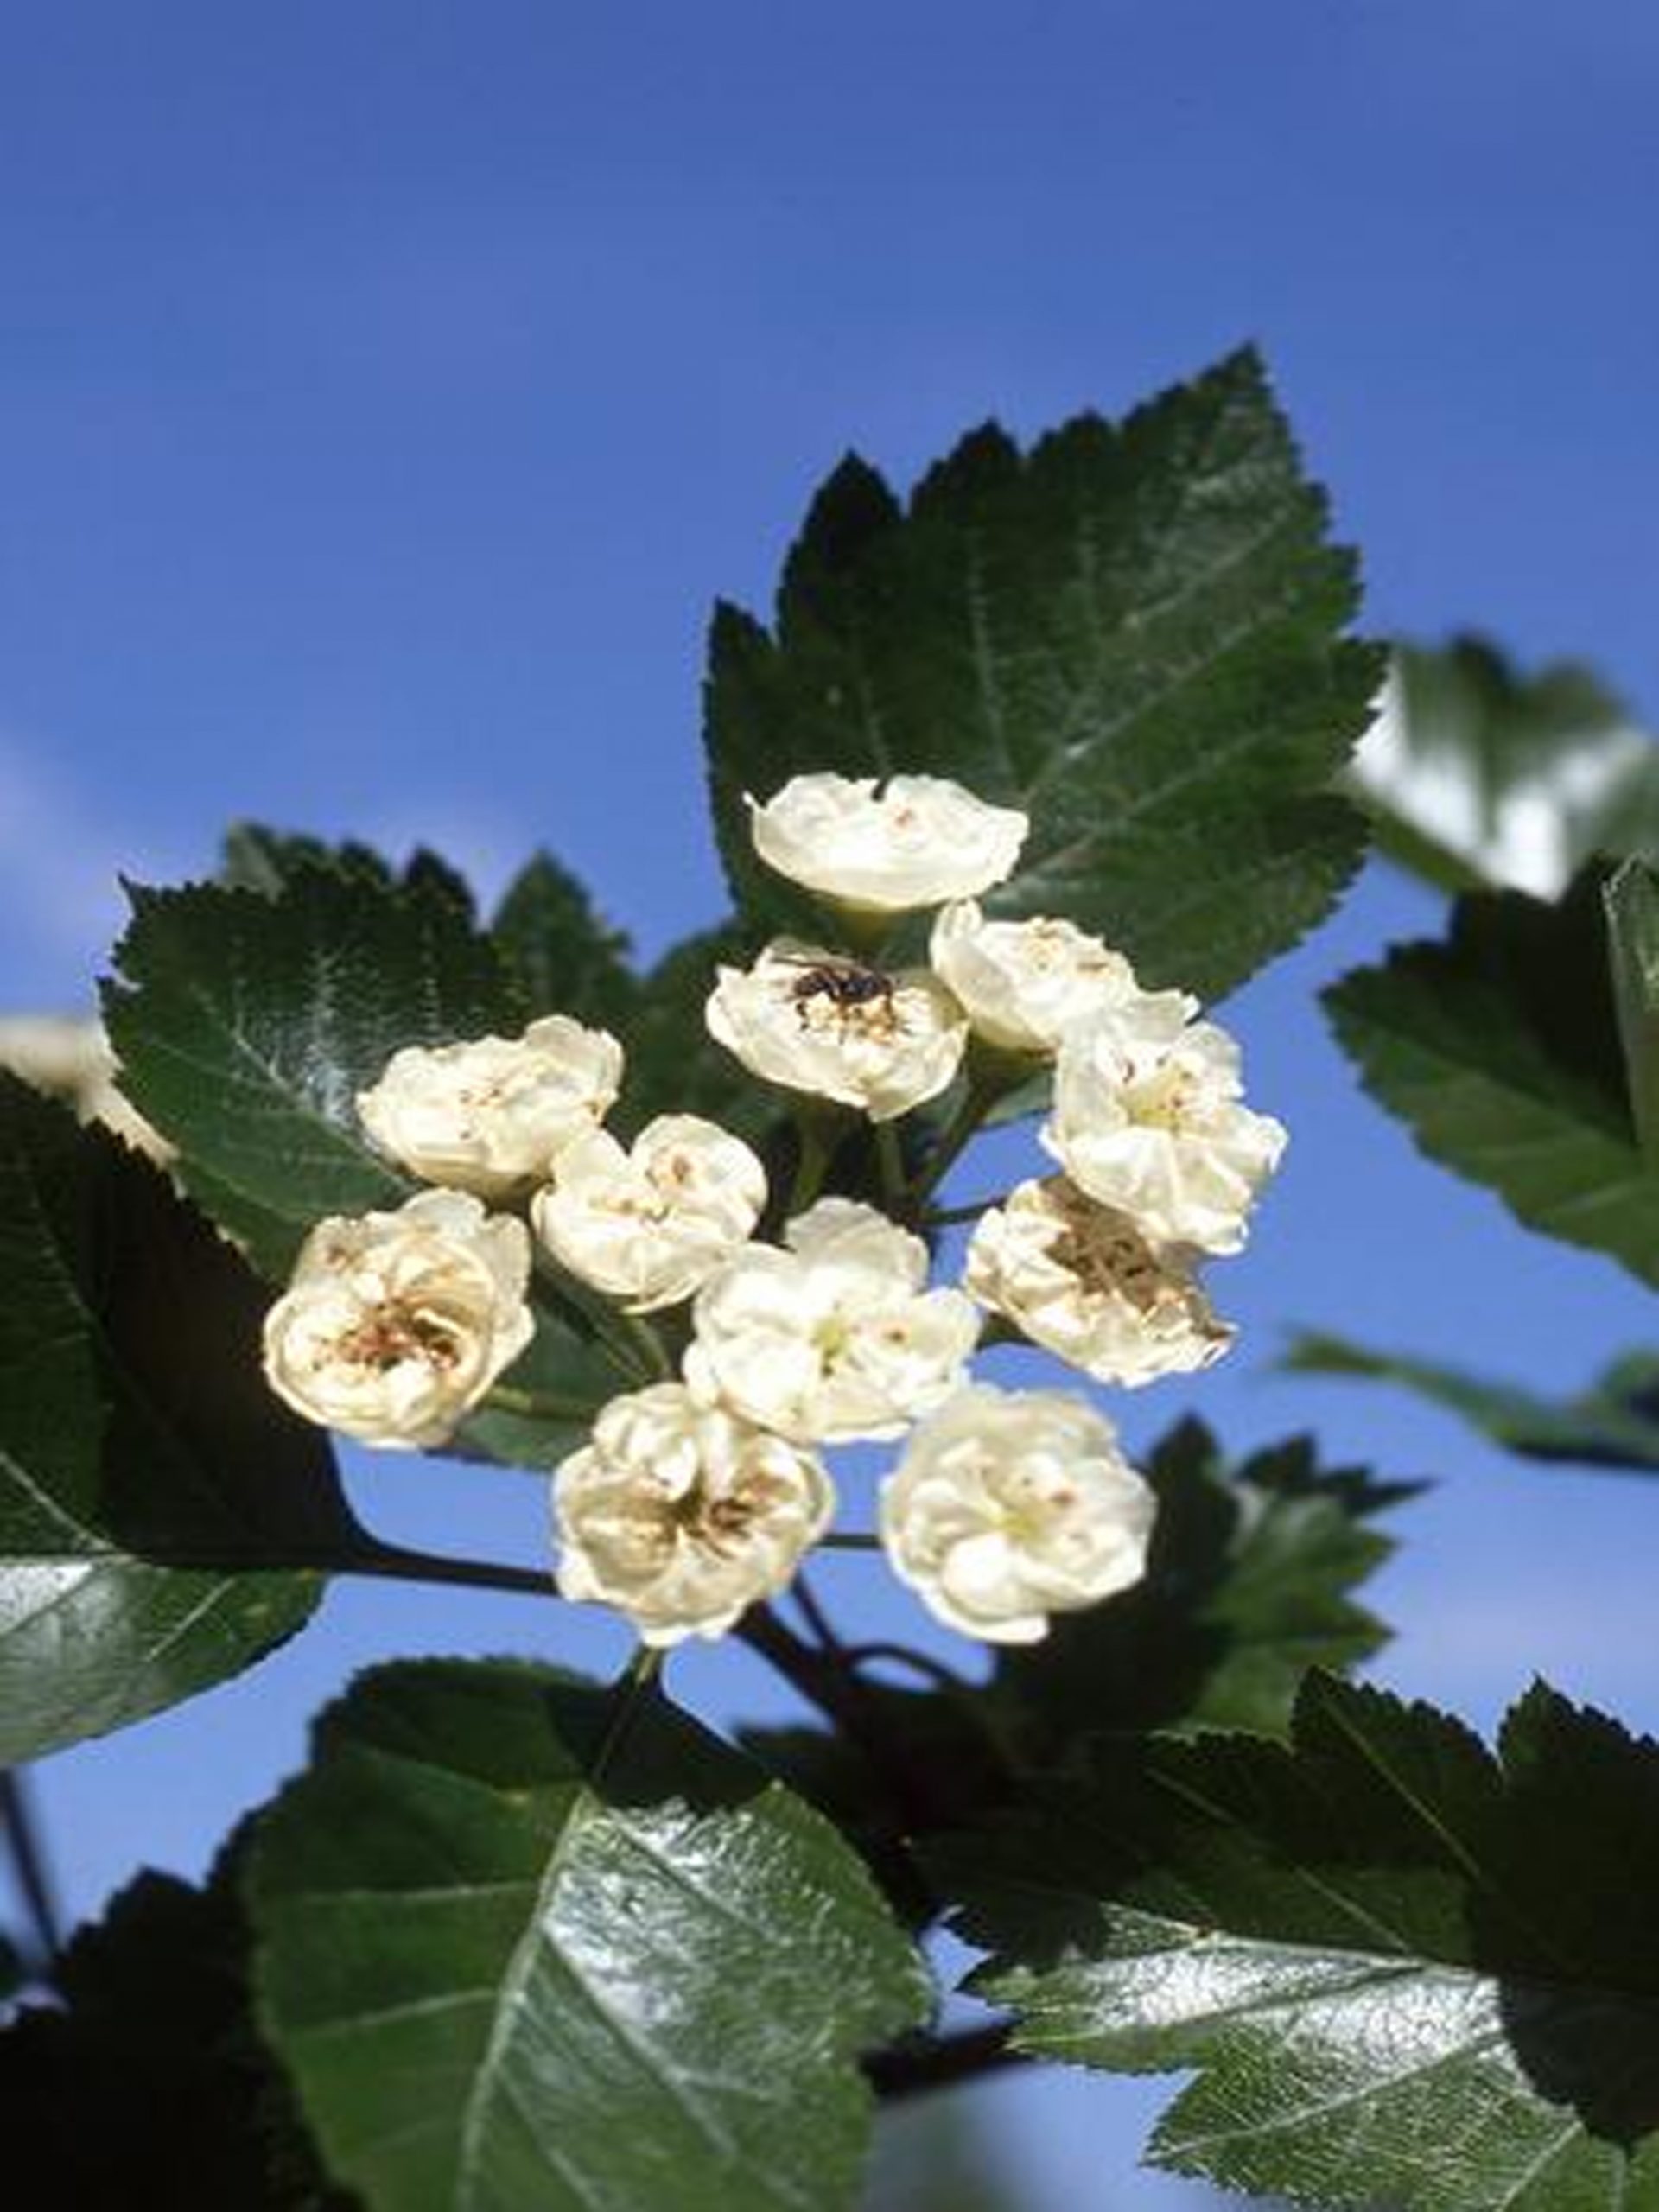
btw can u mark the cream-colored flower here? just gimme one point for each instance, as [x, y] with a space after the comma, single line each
[649, 1226]
[1080, 1279]
[1153, 1127]
[71, 1059]
[1010, 1505]
[1024, 984]
[493, 1115]
[913, 841]
[395, 1324]
[837, 1338]
[683, 1516]
[815, 1021]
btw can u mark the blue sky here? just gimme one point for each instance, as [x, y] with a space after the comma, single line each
[386, 392]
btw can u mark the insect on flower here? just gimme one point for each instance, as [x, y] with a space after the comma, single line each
[845, 983]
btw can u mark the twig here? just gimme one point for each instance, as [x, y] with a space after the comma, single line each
[909, 2068]
[900, 1654]
[536, 1405]
[395, 1563]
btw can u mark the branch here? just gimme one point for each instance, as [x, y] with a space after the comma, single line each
[911, 2068]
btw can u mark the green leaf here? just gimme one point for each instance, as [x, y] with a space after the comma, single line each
[1133, 631]
[160, 1510]
[147, 2086]
[1479, 776]
[1631, 901]
[566, 958]
[528, 1942]
[1614, 1424]
[1499, 1049]
[246, 1023]
[1407, 1973]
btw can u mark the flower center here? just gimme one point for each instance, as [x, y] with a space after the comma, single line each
[392, 1332]
[1108, 1254]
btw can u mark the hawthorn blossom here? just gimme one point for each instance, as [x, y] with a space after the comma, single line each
[912, 841]
[1150, 1124]
[835, 1337]
[492, 1114]
[681, 1515]
[1080, 1279]
[1009, 1506]
[650, 1225]
[1023, 984]
[815, 1022]
[395, 1324]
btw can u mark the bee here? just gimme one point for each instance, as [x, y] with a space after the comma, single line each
[844, 982]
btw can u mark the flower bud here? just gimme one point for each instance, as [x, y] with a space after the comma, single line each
[649, 1226]
[815, 1022]
[683, 1516]
[395, 1324]
[1151, 1125]
[493, 1116]
[914, 842]
[1009, 1506]
[837, 1338]
[1081, 1281]
[1023, 984]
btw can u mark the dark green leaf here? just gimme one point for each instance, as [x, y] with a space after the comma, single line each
[1615, 1423]
[566, 958]
[530, 1942]
[1632, 899]
[1408, 1975]
[246, 1025]
[1500, 1050]
[1133, 631]
[148, 2087]
[158, 1506]
[1479, 777]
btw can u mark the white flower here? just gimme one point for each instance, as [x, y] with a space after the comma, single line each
[1023, 984]
[1152, 1125]
[493, 1115]
[917, 840]
[1010, 1505]
[837, 1338]
[817, 1021]
[395, 1324]
[1081, 1281]
[70, 1058]
[652, 1225]
[682, 1516]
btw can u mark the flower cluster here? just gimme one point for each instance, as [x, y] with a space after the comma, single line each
[694, 1498]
